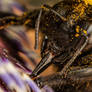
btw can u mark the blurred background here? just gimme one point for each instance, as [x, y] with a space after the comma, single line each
[33, 4]
[18, 40]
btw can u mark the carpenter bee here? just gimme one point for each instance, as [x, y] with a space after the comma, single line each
[65, 33]
[64, 26]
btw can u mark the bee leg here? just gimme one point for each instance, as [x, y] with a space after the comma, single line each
[44, 63]
[56, 81]
[37, 30]
[76, 77]
[84, 73]
[12, 20]
[73, 58]
[26, 19]
[46, 7]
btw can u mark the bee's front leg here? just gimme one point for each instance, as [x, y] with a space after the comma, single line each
[77, 80]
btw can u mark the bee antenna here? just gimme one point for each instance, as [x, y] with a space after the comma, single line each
[37, 30]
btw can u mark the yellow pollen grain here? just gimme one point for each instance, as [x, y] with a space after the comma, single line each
[88, 2]
[85, 32]
[27, 22]
[76, 35]
[43, 7]
[77, 29]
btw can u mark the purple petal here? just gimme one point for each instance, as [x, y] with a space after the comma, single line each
[47, 89]
[31, 83]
